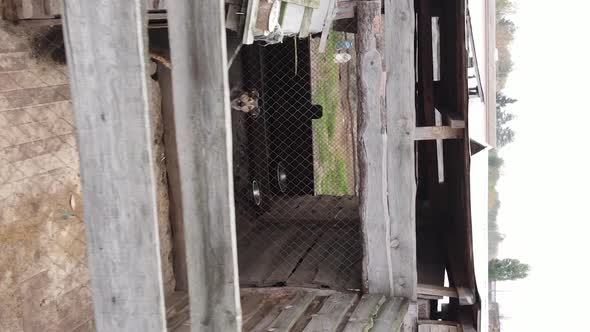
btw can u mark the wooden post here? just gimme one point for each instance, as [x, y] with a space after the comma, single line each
[203, 137]
[401, 123]
[435, 133]
[372, 140]
[108, 74]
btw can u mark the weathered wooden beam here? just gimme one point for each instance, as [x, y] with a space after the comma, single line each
[442, 132]
[401, 123]
[466, 296]
[203, 137]
[440, 156]
[372, 139]
[455, 120]
[107, 59]
[438, 291]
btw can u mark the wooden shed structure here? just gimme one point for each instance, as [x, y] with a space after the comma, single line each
[412, 209]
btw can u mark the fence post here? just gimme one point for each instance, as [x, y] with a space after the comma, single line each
[372, 143]
[203, 135]
[107, 61]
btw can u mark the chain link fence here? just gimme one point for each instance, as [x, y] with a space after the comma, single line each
[295, 164]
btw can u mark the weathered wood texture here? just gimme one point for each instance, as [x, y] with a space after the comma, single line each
[435, 133]
[401, 122]
[439, 291]
[391, 315]
[292, 255]
[332, 313]
[39, 9]
[362, 318]
[203, 136]
[108, 71]
[437, 326]
[372, 145]
[313, 209]
[317, 310]
[291, 313]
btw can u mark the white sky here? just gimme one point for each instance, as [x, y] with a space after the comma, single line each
[544, 188]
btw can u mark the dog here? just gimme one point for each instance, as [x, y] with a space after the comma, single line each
[246, 101]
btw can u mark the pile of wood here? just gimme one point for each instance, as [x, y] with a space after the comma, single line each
[265, 19]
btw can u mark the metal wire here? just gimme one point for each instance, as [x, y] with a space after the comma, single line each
[295, 164]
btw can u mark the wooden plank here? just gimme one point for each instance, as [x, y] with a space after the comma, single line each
[336, 270]
[332, 313]
[328, 272]
[437, 326]
[321, 209]
[455, 120]
[372, 138]
[291, 255]
[424, 308]
[435, 49]
[250, 22]
[108, 73]
[440, 158]
[433, 290]
[305, 22]
[391, 316]
[363, 315]
[203, 136]
[271, 310]
[401, 122]
[307, 270]
[442, 132]
[251, 303]
[260, 266]
[327, 25]
[177, 310]
[292, 312]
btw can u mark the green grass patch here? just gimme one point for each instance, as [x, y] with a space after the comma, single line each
[330, 172]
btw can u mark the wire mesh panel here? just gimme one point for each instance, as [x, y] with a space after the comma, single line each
[295, 163]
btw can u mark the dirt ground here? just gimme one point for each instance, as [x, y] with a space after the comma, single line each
[44, 279]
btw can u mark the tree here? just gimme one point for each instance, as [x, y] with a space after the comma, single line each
[503, 100]
[507, 269]
[504, 135]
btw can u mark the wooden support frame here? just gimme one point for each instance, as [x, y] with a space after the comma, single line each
[107, 60]
[203, 136]
[372, 144]
[435, 133]
[401, 113]
[465, 295]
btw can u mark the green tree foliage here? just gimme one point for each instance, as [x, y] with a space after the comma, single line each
[505, 29]
[504, 134]
[507, 269]
[505, 8]
[495, 237]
